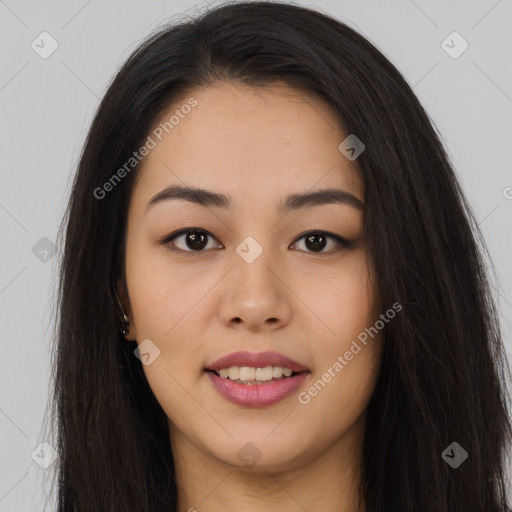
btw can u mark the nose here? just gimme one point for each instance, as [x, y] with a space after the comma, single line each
[256, 296]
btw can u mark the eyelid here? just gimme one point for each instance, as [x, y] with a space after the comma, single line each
[344, 243]
[169, 238]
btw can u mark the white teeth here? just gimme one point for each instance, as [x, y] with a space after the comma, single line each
[224, 373]
[277, 372]
[262, 373]
[247, 373]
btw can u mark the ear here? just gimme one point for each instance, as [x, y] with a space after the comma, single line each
[122, 294]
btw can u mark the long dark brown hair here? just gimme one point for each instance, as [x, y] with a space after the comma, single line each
[444, 374]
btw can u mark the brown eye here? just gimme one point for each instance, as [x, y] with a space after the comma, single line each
[191, 240]
[316, 241]
[196, 240]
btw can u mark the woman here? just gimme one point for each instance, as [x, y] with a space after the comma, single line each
[273, 292]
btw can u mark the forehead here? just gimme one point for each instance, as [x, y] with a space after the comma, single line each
[255, 144]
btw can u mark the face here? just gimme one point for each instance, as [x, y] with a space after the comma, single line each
[206, 280]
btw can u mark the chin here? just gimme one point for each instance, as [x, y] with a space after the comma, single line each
[260, 453]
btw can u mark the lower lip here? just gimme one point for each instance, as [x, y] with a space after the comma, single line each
[257, 395]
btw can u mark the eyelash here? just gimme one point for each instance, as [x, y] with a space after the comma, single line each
[345, 244]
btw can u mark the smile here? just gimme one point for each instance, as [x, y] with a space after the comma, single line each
[255, 392]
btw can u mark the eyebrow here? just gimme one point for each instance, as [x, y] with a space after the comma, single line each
[292, 202]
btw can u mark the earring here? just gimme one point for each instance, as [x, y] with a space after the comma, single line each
[125, 321]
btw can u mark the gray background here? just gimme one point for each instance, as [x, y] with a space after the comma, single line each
[47, 105]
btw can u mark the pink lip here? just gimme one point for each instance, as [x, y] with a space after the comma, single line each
[257, 395]
[245, 358]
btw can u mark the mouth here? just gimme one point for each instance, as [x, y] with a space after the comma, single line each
[255, 393]
[251, 376]
[256, 380]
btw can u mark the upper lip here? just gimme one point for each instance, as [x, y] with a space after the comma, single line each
[259, 360]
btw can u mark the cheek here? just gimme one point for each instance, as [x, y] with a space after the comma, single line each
[168, 304]
[162, 294]
[348, 307]
[164, 304]
[345, 376]
[341, 298]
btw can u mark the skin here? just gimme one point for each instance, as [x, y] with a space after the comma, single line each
[256, 146]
